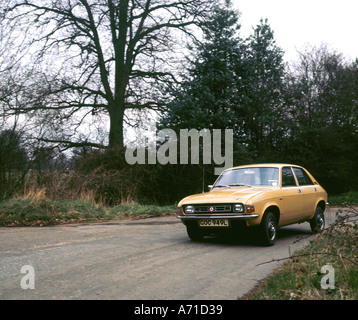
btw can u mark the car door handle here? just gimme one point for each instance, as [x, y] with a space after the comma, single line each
[299, 191]
[314, 189]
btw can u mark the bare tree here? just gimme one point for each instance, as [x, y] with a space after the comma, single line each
[98, 56]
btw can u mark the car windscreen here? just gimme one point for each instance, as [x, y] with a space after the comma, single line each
[251, 176]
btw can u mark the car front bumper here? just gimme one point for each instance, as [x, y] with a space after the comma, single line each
[230, 217]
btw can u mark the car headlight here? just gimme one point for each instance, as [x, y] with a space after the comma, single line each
[239, 207]
[189, 209]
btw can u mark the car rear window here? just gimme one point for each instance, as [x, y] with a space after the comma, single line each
[302, 177]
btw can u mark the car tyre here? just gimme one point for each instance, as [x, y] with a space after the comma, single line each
[268, 229]
[194, 233]
[317, 223]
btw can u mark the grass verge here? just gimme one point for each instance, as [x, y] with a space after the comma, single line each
[300, 277]
[350, 197]
[37, 210]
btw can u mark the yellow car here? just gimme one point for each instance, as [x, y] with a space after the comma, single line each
[266, 196]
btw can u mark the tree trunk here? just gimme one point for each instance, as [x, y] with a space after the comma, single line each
[116, 113]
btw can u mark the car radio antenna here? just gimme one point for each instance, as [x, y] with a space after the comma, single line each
[203, 179]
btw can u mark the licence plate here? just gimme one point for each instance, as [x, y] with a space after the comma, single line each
[214, 223]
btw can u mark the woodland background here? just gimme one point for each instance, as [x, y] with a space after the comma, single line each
[77, 75]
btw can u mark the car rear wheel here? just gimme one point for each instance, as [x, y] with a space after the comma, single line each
[317, 223]
[269, 229]
[194, 233]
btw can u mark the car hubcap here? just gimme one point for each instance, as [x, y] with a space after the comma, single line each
[272, 229]
[320, 221]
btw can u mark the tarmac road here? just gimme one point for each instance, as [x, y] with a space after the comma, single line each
[135, 259]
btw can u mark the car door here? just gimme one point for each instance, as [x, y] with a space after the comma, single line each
[309, 192]
[291, 199]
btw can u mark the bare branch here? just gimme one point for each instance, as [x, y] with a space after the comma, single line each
[101, 54]
[72, 144]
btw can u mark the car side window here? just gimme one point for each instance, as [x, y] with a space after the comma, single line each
[302, 177]
[288, 179]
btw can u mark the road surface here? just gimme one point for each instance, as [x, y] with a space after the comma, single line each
[134, 259]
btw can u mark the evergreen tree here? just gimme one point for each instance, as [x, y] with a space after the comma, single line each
[262, 91]
[207, 97]
[234, 83]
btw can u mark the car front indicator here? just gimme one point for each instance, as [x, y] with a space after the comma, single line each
[250, 209]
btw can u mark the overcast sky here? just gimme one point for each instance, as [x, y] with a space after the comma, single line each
[299, 22]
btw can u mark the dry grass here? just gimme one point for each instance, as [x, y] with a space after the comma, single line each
[36, 209]
[300, 277]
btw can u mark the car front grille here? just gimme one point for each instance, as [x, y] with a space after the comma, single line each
[212, 209]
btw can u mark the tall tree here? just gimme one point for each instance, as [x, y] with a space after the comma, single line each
[262, 89]
[207, 96]
[322, 120]
[234, 83]
[99, 55]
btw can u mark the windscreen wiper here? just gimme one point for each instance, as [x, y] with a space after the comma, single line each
[239, 185]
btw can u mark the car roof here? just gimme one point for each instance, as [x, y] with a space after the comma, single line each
[277, 165]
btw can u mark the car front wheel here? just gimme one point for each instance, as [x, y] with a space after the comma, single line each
[317, 223]
[269, 229]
